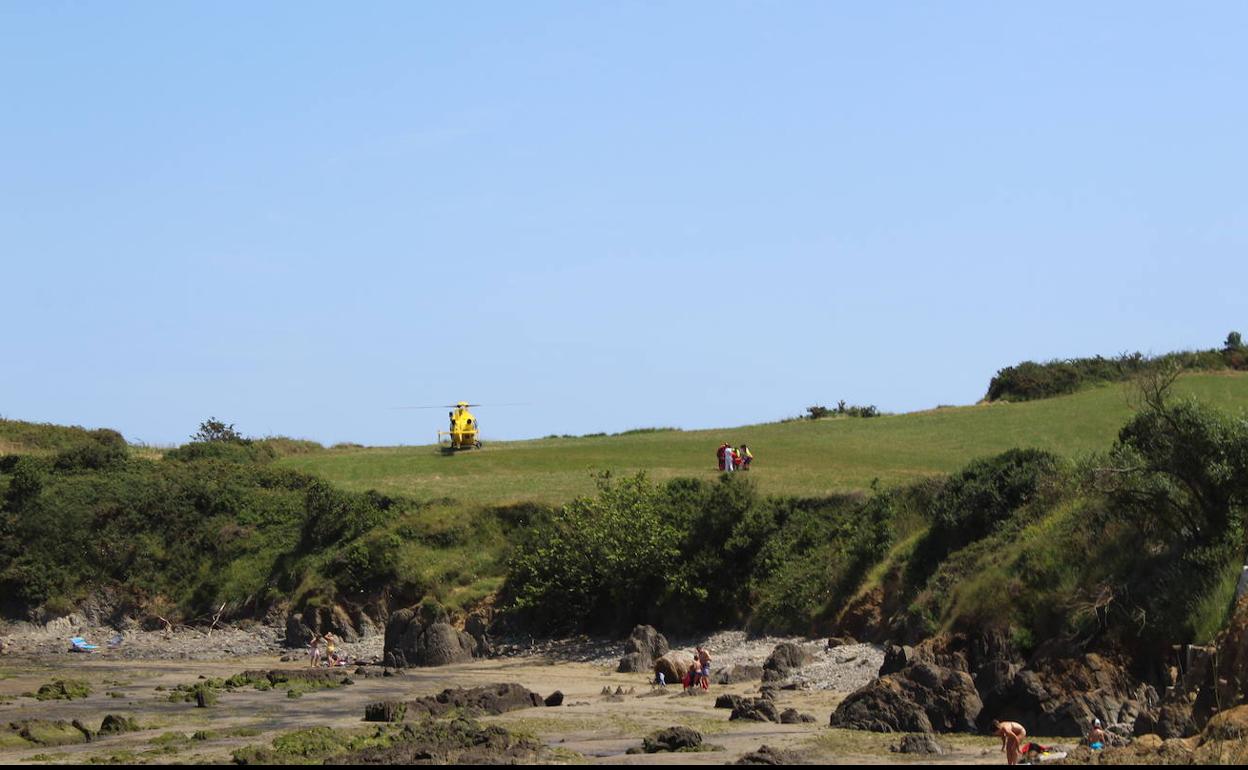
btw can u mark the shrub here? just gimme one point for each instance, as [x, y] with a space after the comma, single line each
[841, 410]
[1030, 380]
[1181, 472]
[225, 451]
[603, 562]
[102, 449]
[334, 516]
[214, 430]
[975, 501]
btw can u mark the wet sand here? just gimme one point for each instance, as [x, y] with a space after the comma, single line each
[588, 727]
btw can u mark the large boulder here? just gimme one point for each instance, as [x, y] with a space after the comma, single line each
[922, 698]
[673, 666]
[477, 626]
[642, 647]
[920, 743]
[672, 739]
[115, 724]
[755, 710]
[784, 660]
[739, 672]
[418, 637]
[297, 632]
[729, 701]
[1170, 720]
[301, 627]
[767, 755]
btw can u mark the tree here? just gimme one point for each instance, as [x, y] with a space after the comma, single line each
[213, 429]
[1233, 342]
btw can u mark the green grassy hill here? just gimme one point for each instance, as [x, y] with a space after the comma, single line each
[277, 524]
[800, 458]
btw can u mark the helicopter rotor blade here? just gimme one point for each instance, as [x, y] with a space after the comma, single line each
[453, 406]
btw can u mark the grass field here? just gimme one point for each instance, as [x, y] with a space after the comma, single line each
[798, 458]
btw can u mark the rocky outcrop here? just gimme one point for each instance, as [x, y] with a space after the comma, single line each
[301, 627]
[1224, 741]
[917, 743]
[755, 710]
[1230, 682]
[921, 698]
[1061, 697]
[768, 755]
[672, 739]
[443, 742]
[1201, 681]
[115, 724]
[1170, 720]
[420, 636]
[477, 626]
[729, 701]
[738, 672]
[642, 647]
[793, 717]
[1055, 694]
[786, 658]
[489, 699]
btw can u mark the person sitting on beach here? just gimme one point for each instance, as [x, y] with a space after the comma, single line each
[1096, 736]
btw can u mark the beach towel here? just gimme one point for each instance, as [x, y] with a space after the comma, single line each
[78, 644]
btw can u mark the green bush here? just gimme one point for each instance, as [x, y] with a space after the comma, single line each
[1183, 471]
[693, 554]
[841, 410]
[102, 449]
[977, 500]
[226, 451]
[1030, 380]
[603, 562]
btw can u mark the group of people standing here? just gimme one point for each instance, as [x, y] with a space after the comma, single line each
[732, 459]
[323, 651]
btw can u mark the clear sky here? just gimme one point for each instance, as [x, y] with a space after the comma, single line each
[295, 216]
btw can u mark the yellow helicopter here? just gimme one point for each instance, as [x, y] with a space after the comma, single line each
[464, 431]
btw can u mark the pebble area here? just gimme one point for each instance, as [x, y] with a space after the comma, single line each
[842, 669]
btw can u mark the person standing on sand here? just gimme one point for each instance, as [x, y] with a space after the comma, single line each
[1011, 735]
[704, 667]
[331, 657]
[314, 652]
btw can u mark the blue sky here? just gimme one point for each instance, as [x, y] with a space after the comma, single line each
[294, 216]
